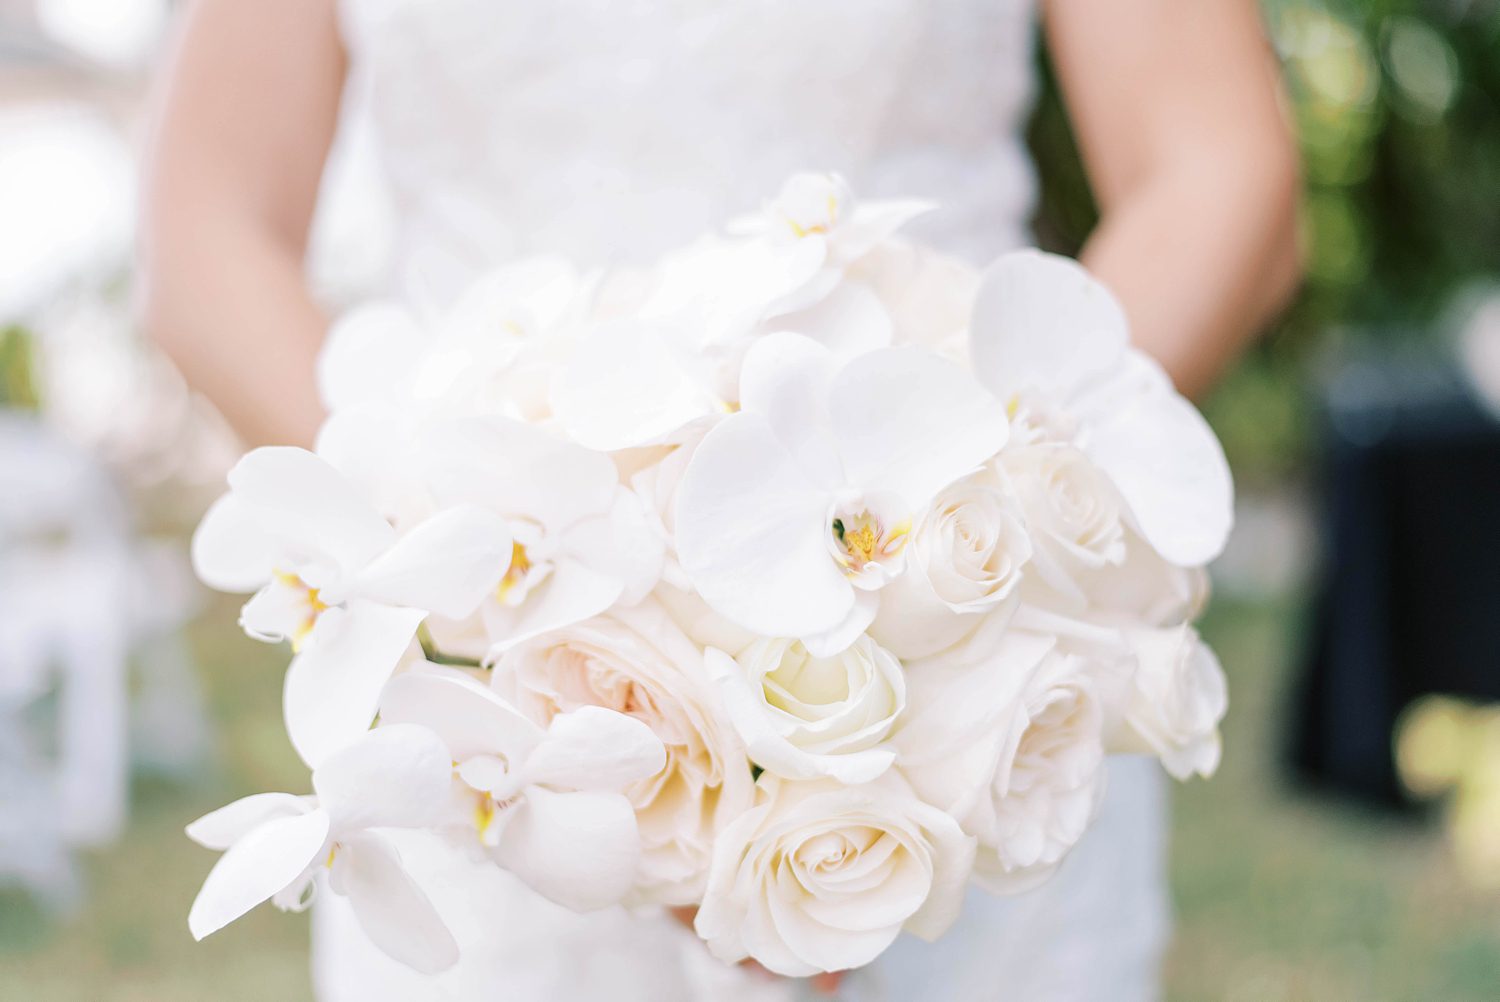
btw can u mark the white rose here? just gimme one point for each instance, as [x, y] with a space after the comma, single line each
[1178, 698]
[822, 877]
[638, 662]
[1014, 749]
[804, 717]
[1072, 510]
[1145, 587]
[964, 562]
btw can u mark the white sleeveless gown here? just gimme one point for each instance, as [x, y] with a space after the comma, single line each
[610, 131]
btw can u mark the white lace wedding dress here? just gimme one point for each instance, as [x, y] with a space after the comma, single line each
[609, 131]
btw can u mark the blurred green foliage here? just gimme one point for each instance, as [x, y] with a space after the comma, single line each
[1397, 107]
[17, 369]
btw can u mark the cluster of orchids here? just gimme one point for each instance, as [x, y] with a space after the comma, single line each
[805, 577]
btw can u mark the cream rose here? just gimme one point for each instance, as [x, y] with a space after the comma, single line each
[805, 717]
[1013, 748]
[1176, 702]
[822, 877]
[1072, 510]
[964, 564]
[638, 662]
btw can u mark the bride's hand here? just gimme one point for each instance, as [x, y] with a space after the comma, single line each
[827, 984]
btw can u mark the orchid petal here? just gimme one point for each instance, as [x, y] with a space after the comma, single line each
[827, 643]
[849, 322]
[751, 534]
[222, 828]
[911, 422]
[784, 380]
[368, 354]
[1043, 322]
[593, 748]
[470, 717]
[230, 550]
[445, 564]
[1171, 471]
[264, 860]
[622, 544]
[393, 911]
[396, 776]
[574, 592]
[303, 501]
[626, 387]
[333, 686]
[519, 470]
[577, 849]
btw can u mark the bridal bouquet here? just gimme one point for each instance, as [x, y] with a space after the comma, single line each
[803, 578]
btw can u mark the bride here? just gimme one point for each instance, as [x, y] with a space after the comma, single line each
[611, 131]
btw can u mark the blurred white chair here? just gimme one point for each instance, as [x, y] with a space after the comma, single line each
[65, 622]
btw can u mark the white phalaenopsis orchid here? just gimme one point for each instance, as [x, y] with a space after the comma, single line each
[386, 371]
[275, 845]
[581, 542]
[1051, 341]
[795, 511]
[546, 804]
[331, 575]
[642, 381]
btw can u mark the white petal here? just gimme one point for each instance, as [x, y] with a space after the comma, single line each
[573, 593]
[626, 386]
[396, 776]
[621, 544]
[222, 828]
[263, 861]
[577, 849]
[393, 911]
[230, 550]
[910, 422]
[519, 470]
[1043, 322]
[445, 564]
[333, 686]
[785, 380]
[369, 354]
[1170, 469]
[832, 641]
[751, 534]
[470, 717]
[592, 748]
[849, 322]
[301, 500]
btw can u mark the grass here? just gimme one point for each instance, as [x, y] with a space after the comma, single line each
[1279, 897]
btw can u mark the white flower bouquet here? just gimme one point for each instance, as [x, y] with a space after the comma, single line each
[804, 578]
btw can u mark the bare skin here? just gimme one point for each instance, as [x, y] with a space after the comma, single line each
[1176, 104]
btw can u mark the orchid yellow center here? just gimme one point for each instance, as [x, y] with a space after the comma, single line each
[863, 540]
[313, 607]
[520, 565]
[821, 226]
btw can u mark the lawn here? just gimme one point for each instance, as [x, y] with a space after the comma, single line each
[1279, 896]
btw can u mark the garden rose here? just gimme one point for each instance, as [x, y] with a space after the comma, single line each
[1178, 698]
[964, 561]
[1014, 749]
[638, 662]
[803, 717]
[822, 877]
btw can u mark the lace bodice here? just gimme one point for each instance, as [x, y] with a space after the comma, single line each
[612, 130]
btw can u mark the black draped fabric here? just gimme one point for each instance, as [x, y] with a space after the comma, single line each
[1409, 597]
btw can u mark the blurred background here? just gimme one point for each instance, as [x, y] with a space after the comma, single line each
[1349, 848]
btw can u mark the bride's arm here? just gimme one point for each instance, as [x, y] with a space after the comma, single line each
[245, 119]
[1178, 108]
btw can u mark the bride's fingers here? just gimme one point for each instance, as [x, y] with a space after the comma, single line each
[828, 983]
